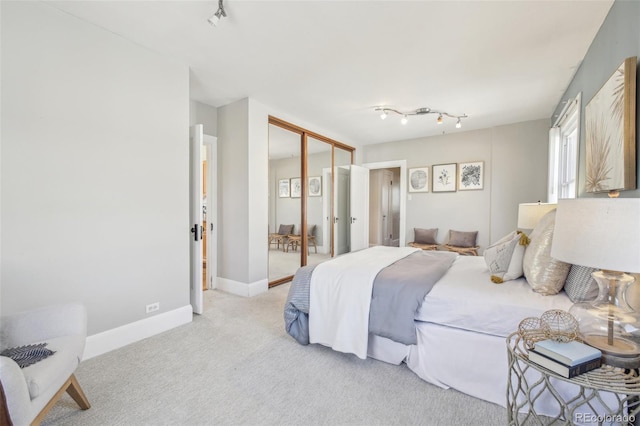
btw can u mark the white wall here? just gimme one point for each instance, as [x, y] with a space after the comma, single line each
[204, 114]
[87, 213]
[515, 161]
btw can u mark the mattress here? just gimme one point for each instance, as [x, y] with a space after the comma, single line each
[465, 298]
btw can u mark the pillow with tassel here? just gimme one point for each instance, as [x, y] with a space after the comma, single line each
[504, 257]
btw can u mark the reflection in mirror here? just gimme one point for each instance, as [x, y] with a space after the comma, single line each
[341, 234]
[318, 201]
[284, 202]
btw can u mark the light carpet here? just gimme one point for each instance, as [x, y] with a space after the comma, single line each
[235, 365]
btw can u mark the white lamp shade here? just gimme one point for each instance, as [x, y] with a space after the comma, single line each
[529, 214]
[601, 233]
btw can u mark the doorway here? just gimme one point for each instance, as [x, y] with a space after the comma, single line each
[384, 207]
[401, 189]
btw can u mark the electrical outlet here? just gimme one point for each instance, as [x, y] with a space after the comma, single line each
[153, 307]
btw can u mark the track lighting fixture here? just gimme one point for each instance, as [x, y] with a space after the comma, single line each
[220, 13]
[384, 112]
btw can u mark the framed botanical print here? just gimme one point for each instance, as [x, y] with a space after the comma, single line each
[296, 187]
[444, 177]
[419, 179]
[315, 186]
[471, 175]
[610, 125]
[283, 188]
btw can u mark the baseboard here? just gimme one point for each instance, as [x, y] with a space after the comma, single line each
[242, 289]
[98, 344]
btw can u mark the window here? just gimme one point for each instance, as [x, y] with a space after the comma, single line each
[564, 140]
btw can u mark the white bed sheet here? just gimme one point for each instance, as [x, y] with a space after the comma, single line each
[465, 298]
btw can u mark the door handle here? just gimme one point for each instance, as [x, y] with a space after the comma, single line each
[335, 220]
[195, 231]
[353, 219]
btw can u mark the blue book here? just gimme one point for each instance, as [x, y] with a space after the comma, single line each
[569, 353]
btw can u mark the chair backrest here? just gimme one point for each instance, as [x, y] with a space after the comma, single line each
[285, 229]
[311, 229]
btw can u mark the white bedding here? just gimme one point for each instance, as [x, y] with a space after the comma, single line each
[339, 307]
[465, 298]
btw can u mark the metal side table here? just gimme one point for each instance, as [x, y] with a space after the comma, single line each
[607, 395]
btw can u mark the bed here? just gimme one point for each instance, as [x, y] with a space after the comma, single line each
[462, 311]
[460, 323]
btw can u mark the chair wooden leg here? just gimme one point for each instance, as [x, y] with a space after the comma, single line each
[72, 387]
[75, 391]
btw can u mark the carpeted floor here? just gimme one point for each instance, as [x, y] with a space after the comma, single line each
[235, 365]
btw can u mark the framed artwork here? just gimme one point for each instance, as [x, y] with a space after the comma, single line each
[283, 188]
[296, 188]
[444, 177]
[610, 119]
[419, 179]
[315, 186]
[471, 175]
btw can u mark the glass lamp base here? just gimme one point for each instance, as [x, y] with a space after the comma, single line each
[622, 353]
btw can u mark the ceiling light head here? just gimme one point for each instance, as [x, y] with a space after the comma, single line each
[404, 119]
[439, 120]
[458, 123]
[220, 13]
[384, 114]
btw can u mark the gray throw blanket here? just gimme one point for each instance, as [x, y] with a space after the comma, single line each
[398, 291]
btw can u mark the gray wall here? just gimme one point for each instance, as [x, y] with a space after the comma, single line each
[95, 169]
[287, 210]
[243, 152]
[617, 39]
[515, 161]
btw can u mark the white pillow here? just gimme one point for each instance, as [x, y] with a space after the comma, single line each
[504, 257]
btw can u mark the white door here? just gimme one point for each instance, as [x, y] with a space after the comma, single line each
[195, 215]
[359, 207]
[341, 211]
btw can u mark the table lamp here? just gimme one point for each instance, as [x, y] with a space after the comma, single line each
[604, 233]
[529, 214]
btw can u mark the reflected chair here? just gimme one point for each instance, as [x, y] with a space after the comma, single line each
[280, 237]
[463, 243]
[294, 240]
[48, 372]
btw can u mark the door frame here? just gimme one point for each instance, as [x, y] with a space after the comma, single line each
[402, 164]
[211, 142]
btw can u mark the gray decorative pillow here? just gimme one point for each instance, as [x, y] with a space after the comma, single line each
[580, 285]
[285, 229]
[425, 236]
[462, 239]
[544, 274]
[27, 355]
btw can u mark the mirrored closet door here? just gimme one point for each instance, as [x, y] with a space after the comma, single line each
[303, 199]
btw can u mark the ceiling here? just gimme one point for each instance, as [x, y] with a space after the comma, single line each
[329, 63]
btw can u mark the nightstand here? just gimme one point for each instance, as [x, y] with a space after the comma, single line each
[528, 383]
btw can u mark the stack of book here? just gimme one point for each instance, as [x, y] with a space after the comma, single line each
[566, 359]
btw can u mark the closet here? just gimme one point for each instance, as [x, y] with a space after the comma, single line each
[309, 189]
